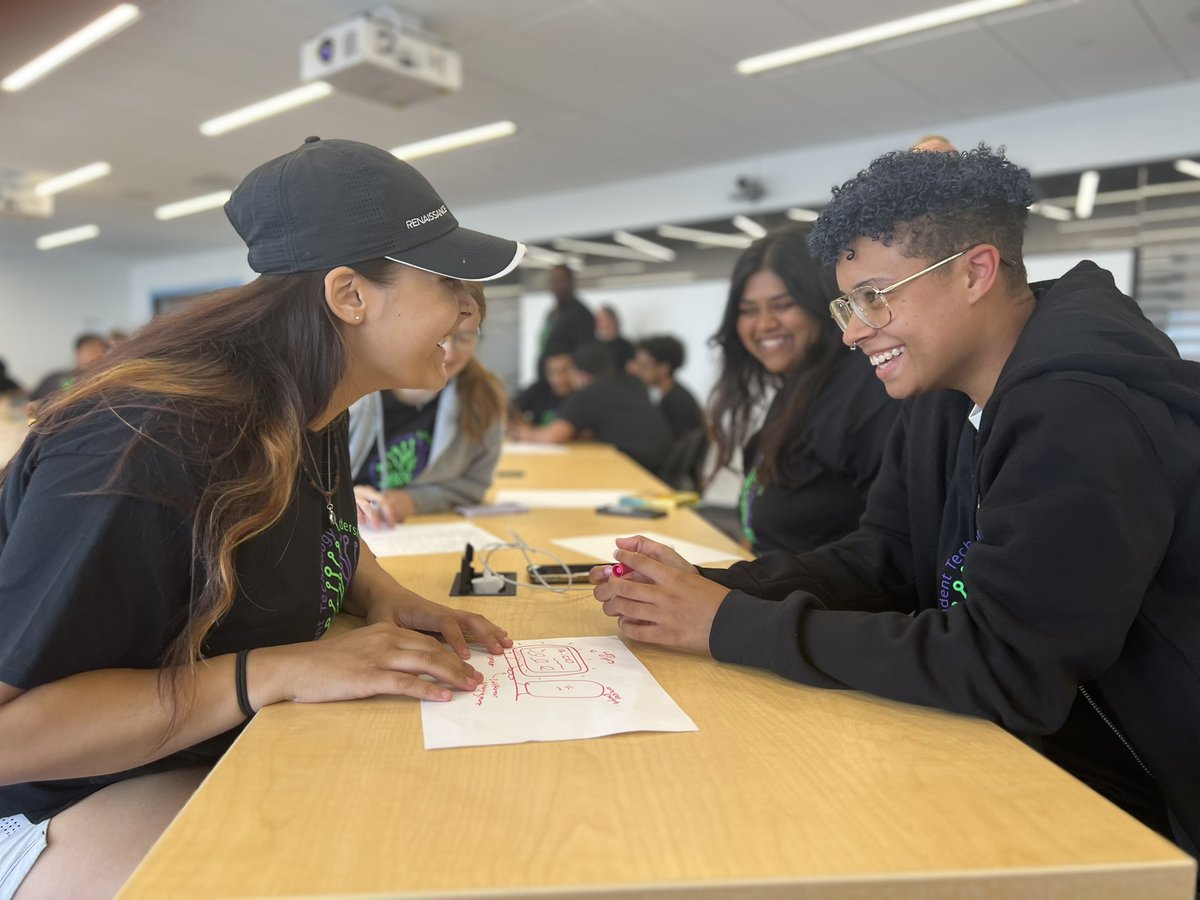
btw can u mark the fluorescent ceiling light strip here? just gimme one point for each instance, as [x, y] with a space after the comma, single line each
[453, 141]
[635, 242]
[650, 278]
[194, 205]
[541, 257]
[52, 186]
[264, 109]
[1049, 211]
[1132, 195]
[838, 43]
[1085, 200]
[88, 36]
[1188, 167]
[711, 238]
[799, 214]
[749, 226]
[595, 248]
[70, 236]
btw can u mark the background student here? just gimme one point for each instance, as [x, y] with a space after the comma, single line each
[179, 526]
[655, 361]
[809, 467]
[608, 406]
[1028, 553]
[89, 348]
[608, 333]
[438, 448]
[538, 404]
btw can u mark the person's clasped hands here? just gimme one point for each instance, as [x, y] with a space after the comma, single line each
[663, 600]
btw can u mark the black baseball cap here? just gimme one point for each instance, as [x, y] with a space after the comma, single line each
[333, 203]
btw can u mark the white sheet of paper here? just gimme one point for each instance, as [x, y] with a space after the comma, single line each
[601, 546]
[565, 499]
[531, 449]
[559, 689]
[414, 540]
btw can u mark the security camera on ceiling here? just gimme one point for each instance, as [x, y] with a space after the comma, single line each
[749, 189]
[383, 54]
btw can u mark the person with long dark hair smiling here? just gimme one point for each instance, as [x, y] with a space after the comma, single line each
[180, 524]
[808, 469]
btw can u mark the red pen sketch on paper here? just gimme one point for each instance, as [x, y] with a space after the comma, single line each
[546, 670]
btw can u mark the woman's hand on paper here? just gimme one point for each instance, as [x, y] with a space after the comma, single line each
[456, 626]
[378, 659]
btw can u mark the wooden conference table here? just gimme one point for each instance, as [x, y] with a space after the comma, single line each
[785, 790]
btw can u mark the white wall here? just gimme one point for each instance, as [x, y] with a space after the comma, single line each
[194, 273]
[1045, 266]
[44, 305]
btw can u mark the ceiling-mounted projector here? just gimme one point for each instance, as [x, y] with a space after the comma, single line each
[383, 55]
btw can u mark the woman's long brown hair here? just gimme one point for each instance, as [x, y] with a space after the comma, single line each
[230, 383]
[743, 381]
[481, 397]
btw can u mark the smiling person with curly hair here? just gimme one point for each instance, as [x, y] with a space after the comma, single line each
[1028, 551]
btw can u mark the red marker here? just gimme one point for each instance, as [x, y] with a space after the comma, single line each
[618, 570]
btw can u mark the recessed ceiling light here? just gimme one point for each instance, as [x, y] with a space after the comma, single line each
[455, 140]
[710, 238]
[88, 36]
[935, 18]
[635, 242]
[264, 109]
[70, 236]
[1085, 199]
[193, 205]
[54, 185]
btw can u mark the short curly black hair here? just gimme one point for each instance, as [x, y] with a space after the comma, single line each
[931, 204]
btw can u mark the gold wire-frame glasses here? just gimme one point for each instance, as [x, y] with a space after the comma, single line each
[870, 303]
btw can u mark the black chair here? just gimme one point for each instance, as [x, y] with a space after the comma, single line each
[683, 467]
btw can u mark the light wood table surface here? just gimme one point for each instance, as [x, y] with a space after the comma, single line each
[784, 792]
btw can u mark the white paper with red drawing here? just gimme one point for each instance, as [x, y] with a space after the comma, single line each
[558, 689]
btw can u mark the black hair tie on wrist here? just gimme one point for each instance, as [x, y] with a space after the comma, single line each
[243, 695]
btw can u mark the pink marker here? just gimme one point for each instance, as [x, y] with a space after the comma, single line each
[618, 570]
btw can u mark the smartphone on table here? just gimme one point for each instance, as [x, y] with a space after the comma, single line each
[631, 512]
[553, 573]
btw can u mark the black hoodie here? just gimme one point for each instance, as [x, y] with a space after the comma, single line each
[1082, 559]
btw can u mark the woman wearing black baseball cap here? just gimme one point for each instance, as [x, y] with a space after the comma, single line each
[180, 524]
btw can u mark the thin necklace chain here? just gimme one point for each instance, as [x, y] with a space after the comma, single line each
[333, 473]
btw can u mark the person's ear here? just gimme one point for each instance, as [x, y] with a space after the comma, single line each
[342, 295]
[982, 269]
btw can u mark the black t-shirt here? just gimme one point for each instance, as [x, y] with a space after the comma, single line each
[681, 410]
[94, 578]
[820, 486]
[617, 410]
[621, 351]
[538, 403]
[408, 432]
